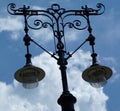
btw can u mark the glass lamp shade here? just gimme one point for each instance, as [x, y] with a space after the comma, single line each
[29, 76]
[97, 75]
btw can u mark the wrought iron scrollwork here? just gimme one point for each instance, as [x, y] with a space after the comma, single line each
[58, 19]
[75, 24]
[101, 8]
[20, 11]
[38, 24]
[90, 11]
[56, 10]
[56, 14]
[11, 8]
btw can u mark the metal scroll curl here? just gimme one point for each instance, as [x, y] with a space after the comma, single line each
[90, 11]
[77, 24]
[11, 8]
[101, 8]
[20, 11]
[37, 23]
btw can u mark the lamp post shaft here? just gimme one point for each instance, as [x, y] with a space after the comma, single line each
[66, 100]
[64, 78]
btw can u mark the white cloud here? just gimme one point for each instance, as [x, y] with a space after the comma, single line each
[44, 98]
[10, 24]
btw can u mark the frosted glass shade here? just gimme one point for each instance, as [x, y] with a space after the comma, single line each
[29, 76]
[97, 75]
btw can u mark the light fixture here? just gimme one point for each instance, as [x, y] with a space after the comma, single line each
[29, 76]
[97, 75]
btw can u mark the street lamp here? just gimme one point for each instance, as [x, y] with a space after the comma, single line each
[56, 19]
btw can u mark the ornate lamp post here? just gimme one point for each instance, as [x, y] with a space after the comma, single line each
[30, 75]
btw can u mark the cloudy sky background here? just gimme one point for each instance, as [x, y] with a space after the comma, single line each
[13, 97]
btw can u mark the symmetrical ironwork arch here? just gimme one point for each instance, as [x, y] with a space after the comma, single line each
[56, 15]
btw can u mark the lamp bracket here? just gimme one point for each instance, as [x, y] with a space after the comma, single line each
[56, 15]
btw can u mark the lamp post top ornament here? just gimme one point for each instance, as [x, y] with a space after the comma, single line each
[55, 8]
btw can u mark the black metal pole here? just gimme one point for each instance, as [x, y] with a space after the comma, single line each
[66, 100]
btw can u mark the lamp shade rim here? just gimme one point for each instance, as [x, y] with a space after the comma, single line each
[29, 69]
[89, 73]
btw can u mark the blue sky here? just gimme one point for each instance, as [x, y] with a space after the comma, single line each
[106, 30]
